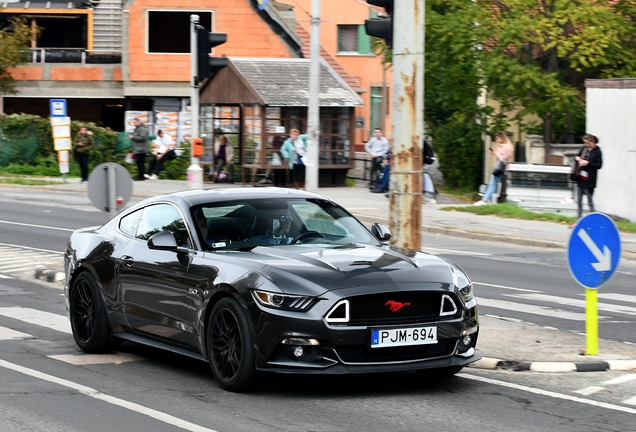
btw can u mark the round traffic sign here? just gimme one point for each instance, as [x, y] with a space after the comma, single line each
[98, 186]
[594, 250]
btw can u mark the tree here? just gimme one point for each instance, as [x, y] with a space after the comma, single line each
[537, 54]
[14, 41]
[452, 85]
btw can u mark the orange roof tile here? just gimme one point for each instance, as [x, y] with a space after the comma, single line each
[305, 37]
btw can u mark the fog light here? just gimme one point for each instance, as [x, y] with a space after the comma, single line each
[298, 351]
[299, 341]
[467, 340]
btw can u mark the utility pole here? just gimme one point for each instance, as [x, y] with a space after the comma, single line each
[313, 110]
[408, 124]
[195, 172]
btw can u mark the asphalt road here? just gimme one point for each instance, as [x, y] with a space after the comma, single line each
[49, 385]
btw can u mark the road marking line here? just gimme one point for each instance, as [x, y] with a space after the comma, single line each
[506, 287]
[36, 226]
[11, 248]
[18, 267]
[424, 249]
[5, 277]
[8, 334]
[630, 401]
[532, 309]
[619, 297]
[606, 307]
[41, 318]
[589, 390]
[157, 415]
[93, 359]
[620, 380]
[550, 393]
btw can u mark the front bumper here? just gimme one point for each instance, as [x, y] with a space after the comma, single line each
[343, 349]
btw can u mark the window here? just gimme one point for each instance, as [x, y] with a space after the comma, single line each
[376, 108]
[353, 39]
[162, 217]
[335, 126]
[169, 31]
[56, 30]
[128, 224]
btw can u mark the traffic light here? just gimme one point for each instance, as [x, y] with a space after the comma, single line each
[381, 27]
[207, 65]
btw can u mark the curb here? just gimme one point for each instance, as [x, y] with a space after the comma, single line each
[41, 272]
[534, 366]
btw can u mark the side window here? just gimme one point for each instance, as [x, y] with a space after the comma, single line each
[162, 217]
[128, 224]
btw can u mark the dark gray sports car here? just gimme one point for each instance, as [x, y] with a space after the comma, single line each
[266, 280]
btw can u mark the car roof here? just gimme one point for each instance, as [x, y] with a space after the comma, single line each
[200, 196]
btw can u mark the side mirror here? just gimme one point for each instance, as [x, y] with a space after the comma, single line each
[380, 232]
[163, 240]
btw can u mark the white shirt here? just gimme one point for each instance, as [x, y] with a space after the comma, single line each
[377, 146]
[163, 143]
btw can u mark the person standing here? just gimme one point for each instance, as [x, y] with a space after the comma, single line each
[588, 161]
[162, 146]
[294, 151]
[280, 175]
[82, 146]
[377, 147]
[504, 153]
[223, 156]
[139, 140]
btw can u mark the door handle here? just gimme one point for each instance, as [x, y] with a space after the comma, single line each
[127, 260]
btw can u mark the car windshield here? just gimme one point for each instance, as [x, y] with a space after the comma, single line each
[246, 224]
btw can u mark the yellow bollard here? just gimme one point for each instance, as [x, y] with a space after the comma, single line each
[591, 320]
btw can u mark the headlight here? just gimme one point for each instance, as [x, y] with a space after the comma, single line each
[466, 293]
[462, 282]
[283, 301]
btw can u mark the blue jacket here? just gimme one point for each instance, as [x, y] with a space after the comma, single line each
[288, 151]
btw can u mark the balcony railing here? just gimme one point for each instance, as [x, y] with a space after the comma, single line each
[71, 55]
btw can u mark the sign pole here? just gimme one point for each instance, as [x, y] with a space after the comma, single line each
[195, 172]
[591, 320]
[593, 255]
[313, 110]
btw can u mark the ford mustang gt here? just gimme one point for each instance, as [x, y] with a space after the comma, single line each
[269, 280]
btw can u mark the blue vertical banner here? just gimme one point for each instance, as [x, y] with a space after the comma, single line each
[262, 4]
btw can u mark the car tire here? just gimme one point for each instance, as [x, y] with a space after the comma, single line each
[230, 347]
[89, 323]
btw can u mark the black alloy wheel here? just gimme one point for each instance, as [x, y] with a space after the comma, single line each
[230, 348]
[89, 323]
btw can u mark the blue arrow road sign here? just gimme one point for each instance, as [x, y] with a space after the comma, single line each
[594, 250]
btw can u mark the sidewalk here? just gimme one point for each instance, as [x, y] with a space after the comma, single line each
[502, 343]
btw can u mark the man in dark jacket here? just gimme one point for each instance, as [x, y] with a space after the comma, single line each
[82, 146]
[140, 147]
[589, 161]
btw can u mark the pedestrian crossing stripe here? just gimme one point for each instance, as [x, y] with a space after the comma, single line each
[10, 334]
[37, 317]
[116, 358]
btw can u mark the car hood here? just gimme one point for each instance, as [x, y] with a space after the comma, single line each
[328, 269]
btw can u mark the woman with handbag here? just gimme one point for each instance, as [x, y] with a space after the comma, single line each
[503, 156]
[588, 162]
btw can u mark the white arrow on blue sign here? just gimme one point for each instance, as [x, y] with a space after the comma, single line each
[594, 250]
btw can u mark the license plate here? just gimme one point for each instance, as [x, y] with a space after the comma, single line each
[403, 337]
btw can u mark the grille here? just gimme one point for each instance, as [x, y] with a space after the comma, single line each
[359, 354]
[375, 309]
